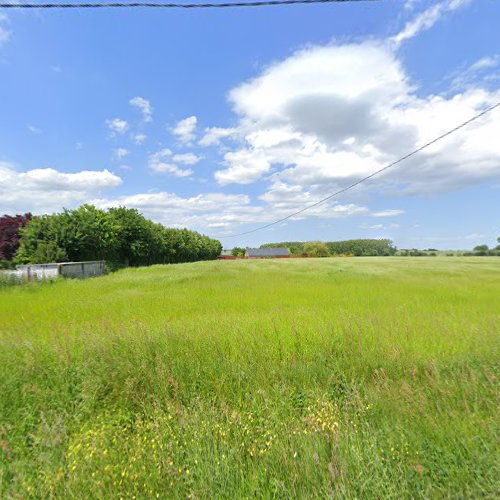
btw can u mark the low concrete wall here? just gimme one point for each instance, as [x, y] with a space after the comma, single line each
[67, 269]
[37, 271]
[82, 269]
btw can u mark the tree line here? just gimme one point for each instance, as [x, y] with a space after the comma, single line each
[357, 248]
[121, 236]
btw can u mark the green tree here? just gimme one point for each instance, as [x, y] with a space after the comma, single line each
[238, 252]
[316, 249]
[121, 236]
[481, 250]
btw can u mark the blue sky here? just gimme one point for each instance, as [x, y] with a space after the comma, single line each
[225, 120]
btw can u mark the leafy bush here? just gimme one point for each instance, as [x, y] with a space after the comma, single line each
[238, 252]
[49, 252]
[6, 264]
[316, 249]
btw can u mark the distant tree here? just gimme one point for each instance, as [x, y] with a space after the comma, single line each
[481, 250]
[316, 249]
[238, 252]
[10, 227]
[366, 247]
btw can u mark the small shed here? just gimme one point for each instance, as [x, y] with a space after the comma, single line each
[267, 253]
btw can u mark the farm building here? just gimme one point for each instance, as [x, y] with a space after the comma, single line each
[266, 253]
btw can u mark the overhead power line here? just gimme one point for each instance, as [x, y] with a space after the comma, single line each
[377, 172]
[164, 5]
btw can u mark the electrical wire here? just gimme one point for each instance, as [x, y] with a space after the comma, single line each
[164, 5]
[377, 172]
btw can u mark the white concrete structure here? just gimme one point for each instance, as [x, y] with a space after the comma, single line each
[67, 269]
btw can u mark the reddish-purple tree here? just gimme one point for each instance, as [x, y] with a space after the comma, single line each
[9, 234]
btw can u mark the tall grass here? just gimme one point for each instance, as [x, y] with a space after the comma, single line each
[355, 378]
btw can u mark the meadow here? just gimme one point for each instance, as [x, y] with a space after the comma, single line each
[300, 378]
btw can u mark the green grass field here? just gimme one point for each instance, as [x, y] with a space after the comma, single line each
[347, 377]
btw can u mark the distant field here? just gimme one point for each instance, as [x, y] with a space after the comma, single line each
[348, 377]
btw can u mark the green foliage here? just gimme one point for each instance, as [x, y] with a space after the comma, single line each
[48, 251]
[316, 249]
[6, 264]
[357, 248]
[238, 252]
[120, 236]
[484, 250]
[366, 248]
[481, 248]
[285, 378]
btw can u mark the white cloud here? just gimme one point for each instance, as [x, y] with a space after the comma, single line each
[139, 138]
[161, 163]
[243, 167]
[144, 106]
[379, 226]
[56, 69]
[186, 158]
[5, 33]
[213, 210]
[282, 198]
[205, 210]
[486, 62]
[121, 153]
[329, 115]
[34, 130]
[46, 189]
[184, 130]
[214, 135]
[117, 125]
[479, 73]
[387, 213]
[426, 19]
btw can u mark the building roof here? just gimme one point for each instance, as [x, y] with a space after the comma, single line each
[267, 252]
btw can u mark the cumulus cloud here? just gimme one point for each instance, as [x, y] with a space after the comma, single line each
[329, 115]
[173, 210]
[184, 130]
[214, 210]
[47, 189]
[139, 138]
[427, 19]
[387, 213]
[186, 158]
[161, 163]
[117, 125]
[214, 135]
[144, 107]
[121, 153]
